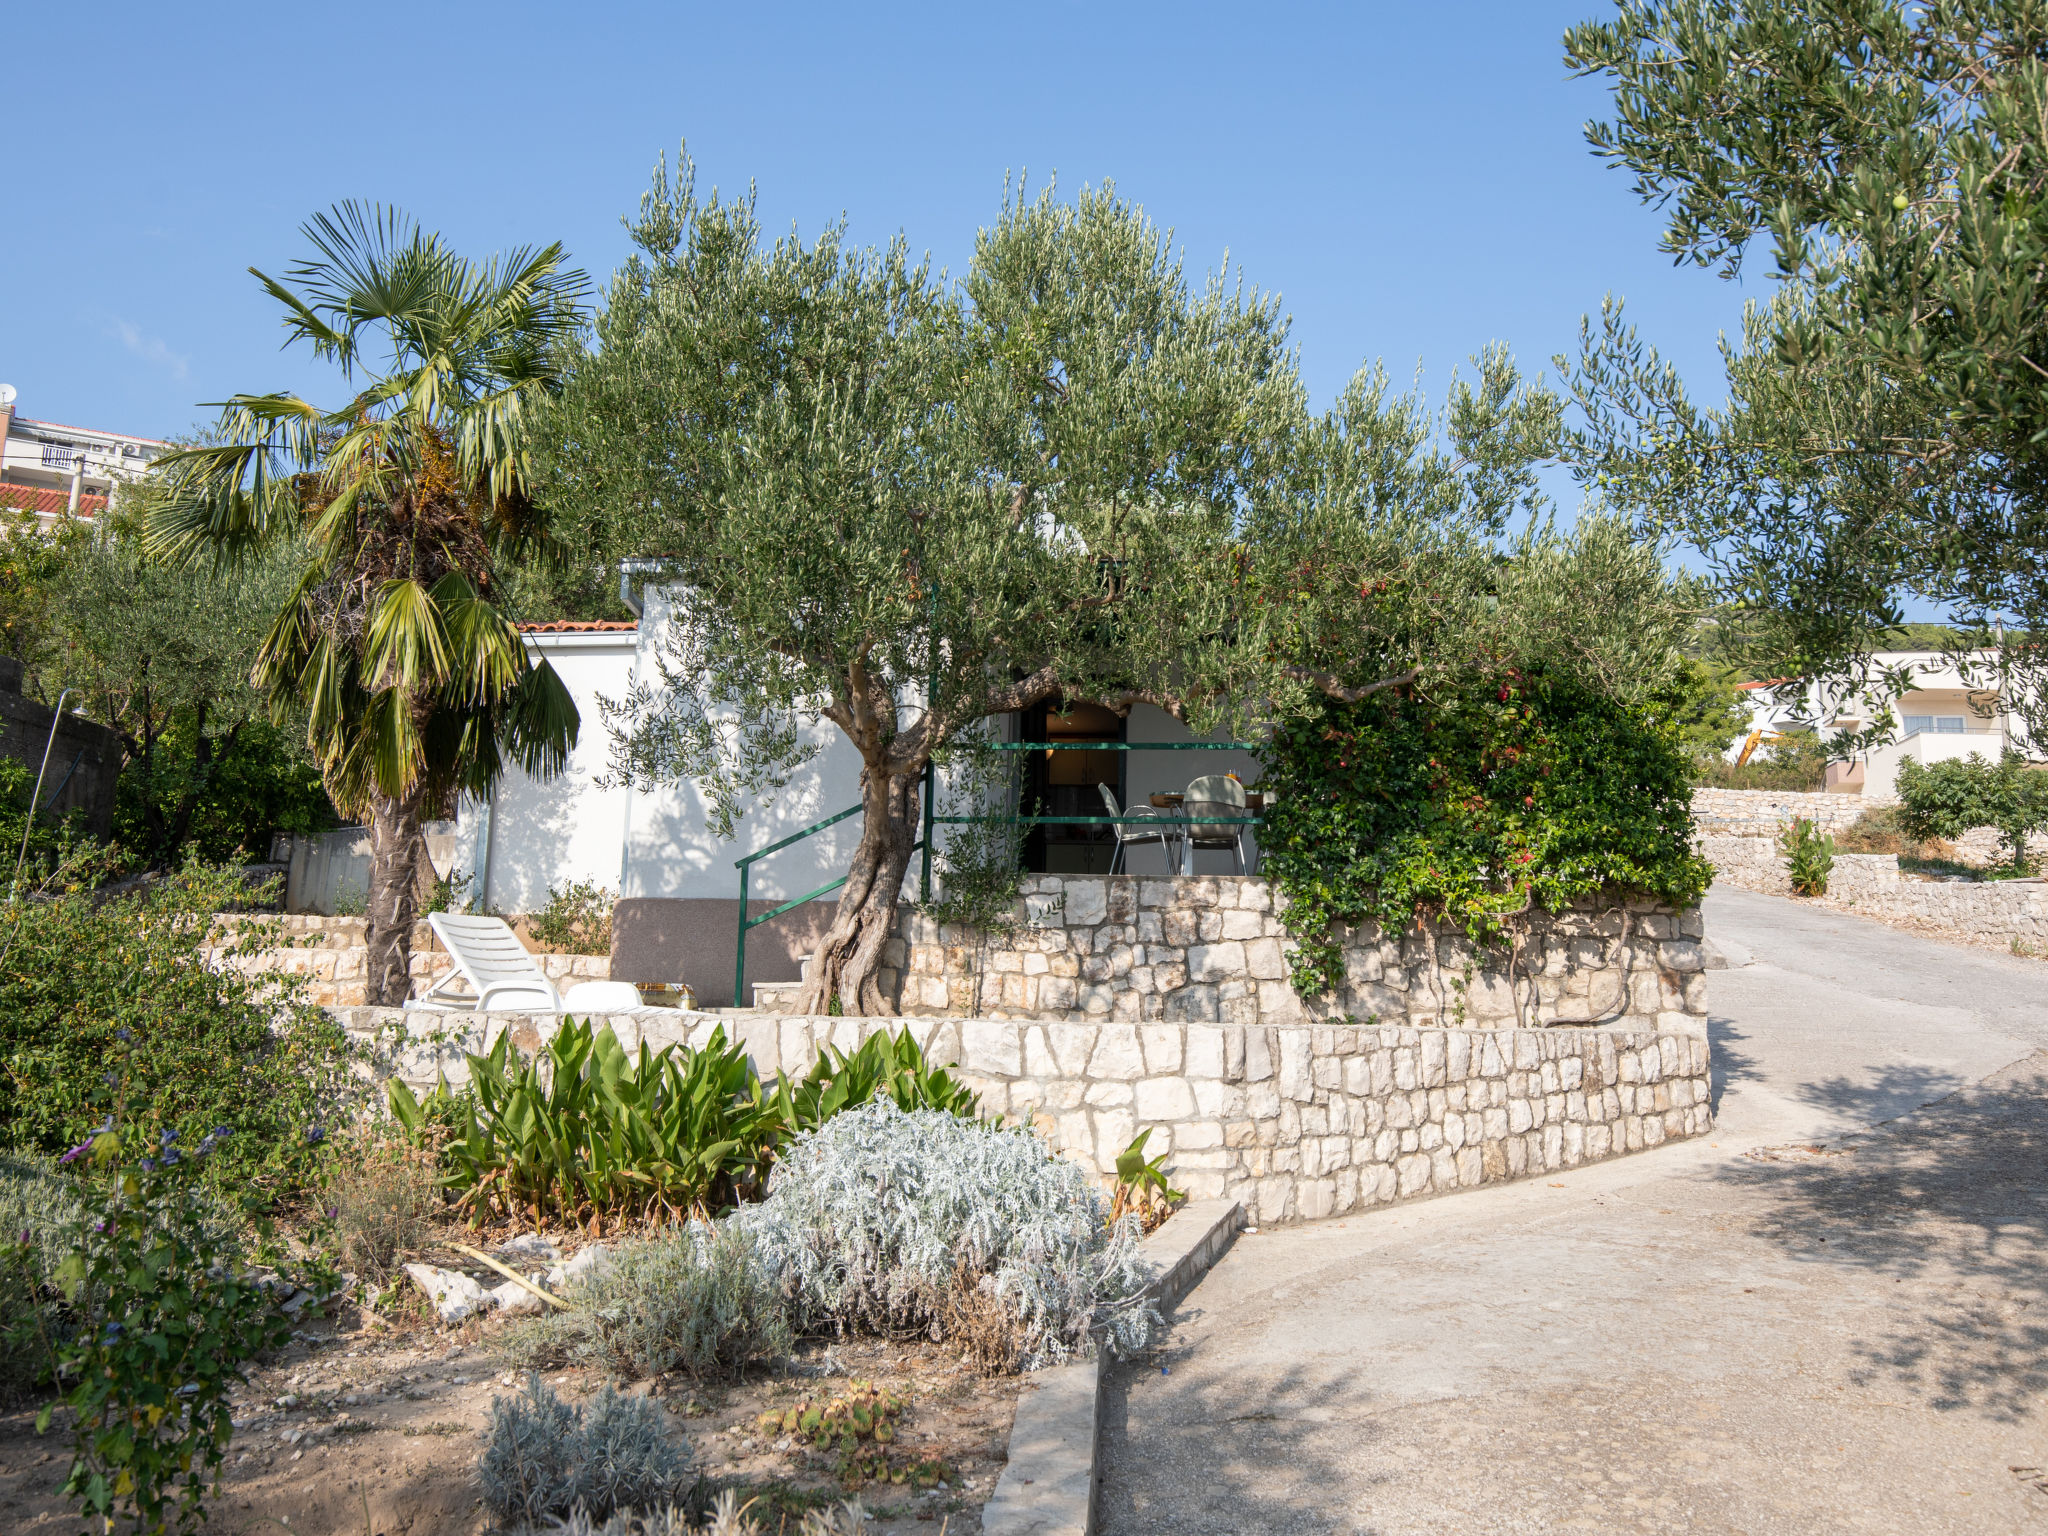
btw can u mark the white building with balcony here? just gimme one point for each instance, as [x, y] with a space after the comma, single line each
[1944, 715]
[55, 470]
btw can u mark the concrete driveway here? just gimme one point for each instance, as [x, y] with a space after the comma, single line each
[1823, 1317]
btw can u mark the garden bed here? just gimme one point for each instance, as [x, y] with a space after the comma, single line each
[357, 1407]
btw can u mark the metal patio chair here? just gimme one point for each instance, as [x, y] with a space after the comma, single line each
[1214, 795]
[1168, 832]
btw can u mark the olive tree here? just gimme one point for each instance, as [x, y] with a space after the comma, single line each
[1885, 437]
[904, 507]
[907, 507]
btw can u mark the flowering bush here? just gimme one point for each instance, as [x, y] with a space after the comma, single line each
[203, 1045]
[1513, 792]
[161, 1317]
[891, 1222]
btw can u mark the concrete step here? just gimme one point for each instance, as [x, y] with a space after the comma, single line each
[776, 996]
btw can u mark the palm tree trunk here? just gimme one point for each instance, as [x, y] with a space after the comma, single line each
[850, 954]
[395, 846]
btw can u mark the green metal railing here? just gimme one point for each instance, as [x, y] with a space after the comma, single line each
[932, 819]
[745, 866]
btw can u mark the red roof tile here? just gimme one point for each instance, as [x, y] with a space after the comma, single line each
[50, 500]
[581, 627]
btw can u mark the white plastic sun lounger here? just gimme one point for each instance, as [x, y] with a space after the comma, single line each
[496, 968]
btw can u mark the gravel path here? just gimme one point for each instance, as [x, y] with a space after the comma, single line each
[1820, 1318]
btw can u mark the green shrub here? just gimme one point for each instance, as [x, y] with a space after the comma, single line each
[162, 1317]
[59, 852]
[1514, 791]
[1809, 856]
[585, 1130]
[1949, 799]
[886, 1063]
[577, 920]
[700, 1301]
[39, 1207]
[205, 1045]
[544, 1458]
[223, 806]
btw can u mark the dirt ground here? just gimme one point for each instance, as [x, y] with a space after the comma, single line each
[362, 1428]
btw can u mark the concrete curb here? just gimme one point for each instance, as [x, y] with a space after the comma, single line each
[1048, 1486]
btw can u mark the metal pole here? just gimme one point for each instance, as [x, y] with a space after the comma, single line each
[739, 959]
[35, 800]
[931, 785]
[931, 776]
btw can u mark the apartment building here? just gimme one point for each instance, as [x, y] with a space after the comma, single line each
[56, 470]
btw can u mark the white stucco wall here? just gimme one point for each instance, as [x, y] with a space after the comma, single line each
[548, 833]
[660, 843]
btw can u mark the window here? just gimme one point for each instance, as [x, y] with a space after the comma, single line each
[1944, 725]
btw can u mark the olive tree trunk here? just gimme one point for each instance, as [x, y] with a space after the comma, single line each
[397, 846]
[849, 957]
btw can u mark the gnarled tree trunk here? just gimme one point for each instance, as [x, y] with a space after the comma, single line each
[850, 954]
[396, 847]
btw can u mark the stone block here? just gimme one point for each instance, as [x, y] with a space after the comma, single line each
[992, 1047]
[1296, 1078]
[1162, 1045]
[1087, 903]
[1204, 1053]
[1240, 925]
[1165, 1098]
[1264, 960]
[1117, 1054]
[1216, 962]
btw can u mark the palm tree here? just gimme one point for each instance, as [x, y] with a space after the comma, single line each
[402, 505]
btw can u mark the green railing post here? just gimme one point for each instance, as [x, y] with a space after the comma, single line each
[931, 785]
[739, 959]
[932, 821]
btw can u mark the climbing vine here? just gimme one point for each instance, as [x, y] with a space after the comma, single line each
[1510, 793]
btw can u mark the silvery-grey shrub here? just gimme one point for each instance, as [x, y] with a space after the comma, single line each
[872, 1220]
[544, 1459]
[699, 1300]
[728, 1518]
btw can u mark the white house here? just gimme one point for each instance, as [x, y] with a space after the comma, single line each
[54, 469]
[1942, 716]
[678, 886]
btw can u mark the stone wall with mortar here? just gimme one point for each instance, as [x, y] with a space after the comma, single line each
[333, 956]
[1757, 864]
[1297, 1121]
[1762, 812]
[1215, 950]
[1998, 912]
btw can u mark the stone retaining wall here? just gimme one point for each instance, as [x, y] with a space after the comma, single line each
[1756, 864]
[331, 953]
[1997, 912]
[1297, 1121]
[1214, 950]
[1762, 812]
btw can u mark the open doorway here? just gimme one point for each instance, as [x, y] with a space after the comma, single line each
[1064, 784]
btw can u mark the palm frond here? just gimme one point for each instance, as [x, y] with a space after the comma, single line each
[487, 652]
[406, 645]
[540, 722]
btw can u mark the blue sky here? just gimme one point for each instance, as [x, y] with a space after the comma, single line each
[1412, 179]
